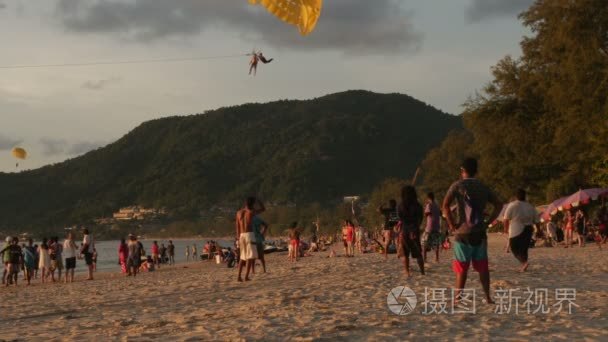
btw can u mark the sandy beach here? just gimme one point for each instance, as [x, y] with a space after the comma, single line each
[318, 298]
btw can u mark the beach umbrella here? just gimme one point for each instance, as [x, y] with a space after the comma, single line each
[540, 211]
[552, 209]
[582, 197]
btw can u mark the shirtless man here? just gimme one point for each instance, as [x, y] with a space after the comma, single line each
[246, 236]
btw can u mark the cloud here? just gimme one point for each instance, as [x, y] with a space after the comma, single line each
[2, 5]
[55, 147]
[83, 147]
[479, 10]
[7, 143]
[350, 26]
[99, 84]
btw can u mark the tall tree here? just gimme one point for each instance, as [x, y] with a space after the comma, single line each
[544, 117]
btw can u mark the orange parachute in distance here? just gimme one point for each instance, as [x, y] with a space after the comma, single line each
[19, 153]
[302, 13]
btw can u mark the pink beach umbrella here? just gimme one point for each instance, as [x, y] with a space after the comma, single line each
[552, 209]
[582, 197]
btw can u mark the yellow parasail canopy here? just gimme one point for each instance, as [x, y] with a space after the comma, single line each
[19, 153]
[301, 13]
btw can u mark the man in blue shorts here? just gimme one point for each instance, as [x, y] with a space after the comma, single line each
[471, 240]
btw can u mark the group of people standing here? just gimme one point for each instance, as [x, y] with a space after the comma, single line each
[49, 258]
[465, 221]
[401, 225]
[250, 231]
[132, 256]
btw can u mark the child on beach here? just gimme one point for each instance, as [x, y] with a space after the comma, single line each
[194, 253]
[294, 242]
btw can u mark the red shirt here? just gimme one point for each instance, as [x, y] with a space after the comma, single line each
[350, 230]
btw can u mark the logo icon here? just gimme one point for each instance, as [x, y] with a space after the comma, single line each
[401, 300]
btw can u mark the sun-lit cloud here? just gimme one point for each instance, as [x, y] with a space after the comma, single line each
[61, 147]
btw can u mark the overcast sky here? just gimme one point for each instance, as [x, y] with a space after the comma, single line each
[439, 51]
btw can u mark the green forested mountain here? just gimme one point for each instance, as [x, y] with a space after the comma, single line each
[286, 151]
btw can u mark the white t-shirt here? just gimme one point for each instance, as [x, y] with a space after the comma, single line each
[69, 251]
[520, 214]
[88, 240]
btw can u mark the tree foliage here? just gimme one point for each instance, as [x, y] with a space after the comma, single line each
[542, 122]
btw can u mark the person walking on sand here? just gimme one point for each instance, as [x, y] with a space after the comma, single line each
[360, 239]
[350, 238]
[568, 228]
[391, 218]
[135, 253]
[87, 249]
[56, 254]
[15, 258]
[344, 237]
[432, 238]
[29, 260]
[44, 260]
[551, 232]
[410, 214]
[246, 236]
[5, 258]
[259, 228]
[520, 217]
[602, 218]
[294, 242]
[470, 230]
[123, 256]
[69, 253]
[163, 253]
[188, 253]
[194, 253]
[155, 254]
[580, 225]
[171, 252]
